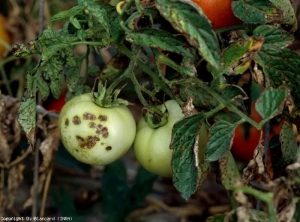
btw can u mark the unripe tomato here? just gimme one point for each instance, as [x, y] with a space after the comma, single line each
[4, 36]
[152, 146]
[219, 12]
[95, 135]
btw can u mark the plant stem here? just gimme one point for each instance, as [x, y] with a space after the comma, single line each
[5, 80]
[147, 70]
[228, 105]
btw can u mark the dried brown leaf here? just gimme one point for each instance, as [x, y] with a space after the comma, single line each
[48, 149]
[29, 201]
[15, 178]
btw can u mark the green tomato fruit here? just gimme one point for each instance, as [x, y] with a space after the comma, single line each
[152, 146]
[95, 135]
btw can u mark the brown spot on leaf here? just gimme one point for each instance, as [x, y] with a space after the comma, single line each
[108, 148]
[102, 118]
[76, 120]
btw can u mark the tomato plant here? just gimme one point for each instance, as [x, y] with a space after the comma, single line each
[219, 12]
[95, 135]
[205, 72]
[4, 36]
[152, 146]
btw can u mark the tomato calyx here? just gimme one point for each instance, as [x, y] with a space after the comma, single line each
[106, 99]
[156, 119]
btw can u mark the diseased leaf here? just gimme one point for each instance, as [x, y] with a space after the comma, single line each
[289, 15]
[229, 172]
[271, 102]
[220, 140]
[185, 175]
[101, 16]
[64, 15]
[289, 147]
[193, 24]
[273, 36]
[27, 118]
[231, 56]
[159, 39]
[191, 87]
[43, 88]
[53, 71]
[254, 11]
[281, 67]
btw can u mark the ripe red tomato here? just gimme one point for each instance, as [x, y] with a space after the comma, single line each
[56, 105]
[219, 12]
[246, 138]
[4, 36]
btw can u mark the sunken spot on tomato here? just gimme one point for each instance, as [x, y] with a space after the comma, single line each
[76, 120]
[102, 118]
[80, 139]
[92, 124]
[104, 132]
[108, 148]
[67, 122]
[89, 116]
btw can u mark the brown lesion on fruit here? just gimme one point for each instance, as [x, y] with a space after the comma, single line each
[108, 148]
[76, 120]
[99, 127]
[92, 124]
[80, 139]
[67, 122]
[88, 142]
[104, 132]
[89, 116]
[102, 118]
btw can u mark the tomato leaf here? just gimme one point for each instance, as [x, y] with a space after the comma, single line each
[280, 65]
[289, 145]
[27, 118]
[185, 175]
[197, 93]
[159, 39]
[231, 56]
[220, 140]
[289, 15]
[228, 171]
[64, 15]
[193, 24]
[72, 75]
[254, 11]
[271, 102]
[273, 36]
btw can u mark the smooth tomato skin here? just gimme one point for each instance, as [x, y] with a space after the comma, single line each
[152, 146]
[4, 36]
[244, 143]
[56, 105]
[219, 12]
[95, 135]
